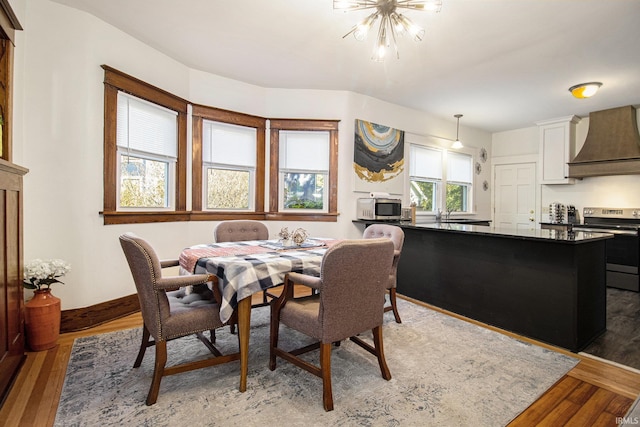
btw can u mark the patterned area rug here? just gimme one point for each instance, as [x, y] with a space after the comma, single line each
[445, 372]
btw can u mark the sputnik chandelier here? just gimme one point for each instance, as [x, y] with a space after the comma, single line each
[392, 23]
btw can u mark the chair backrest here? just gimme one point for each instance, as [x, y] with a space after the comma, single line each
[239, 230]
[145, 269]
[354, 276]
[392, 232]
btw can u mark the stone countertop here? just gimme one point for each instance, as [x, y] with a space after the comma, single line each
[537, 234]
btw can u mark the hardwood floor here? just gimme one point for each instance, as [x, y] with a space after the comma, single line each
[593, 393]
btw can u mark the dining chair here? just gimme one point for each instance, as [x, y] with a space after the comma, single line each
[396, 235]
[168, 313]
[239, 230]
[352, 282]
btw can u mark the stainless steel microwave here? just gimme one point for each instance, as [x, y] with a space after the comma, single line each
[379, 209]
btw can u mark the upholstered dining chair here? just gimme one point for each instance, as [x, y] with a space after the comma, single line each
[352, 283]
[396, 235]
[239, 230]
[168, 313]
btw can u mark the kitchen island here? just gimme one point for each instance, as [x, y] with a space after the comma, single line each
[544, 284]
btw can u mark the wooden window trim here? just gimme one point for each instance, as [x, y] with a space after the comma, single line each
[115, 81]
[278, 125]
[200, 112]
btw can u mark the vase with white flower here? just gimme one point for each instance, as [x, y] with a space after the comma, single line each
[43, 311]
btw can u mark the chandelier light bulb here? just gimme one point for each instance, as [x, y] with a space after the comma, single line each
[343, 5]
[416, 31]
[361, 30]
[432, 6]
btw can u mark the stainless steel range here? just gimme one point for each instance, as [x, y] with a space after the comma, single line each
[623, 251]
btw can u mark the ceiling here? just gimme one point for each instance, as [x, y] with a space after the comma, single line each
[504, 64]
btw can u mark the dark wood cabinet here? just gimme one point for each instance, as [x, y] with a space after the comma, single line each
[552, 290]
[12, 342]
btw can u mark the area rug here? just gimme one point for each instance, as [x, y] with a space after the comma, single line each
[445, 372]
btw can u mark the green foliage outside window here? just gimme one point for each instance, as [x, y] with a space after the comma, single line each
[423, 195]
[303, 191]
[143, 183]
[456, 198]
[228, 189]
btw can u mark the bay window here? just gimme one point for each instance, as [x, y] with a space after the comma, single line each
[145, 160]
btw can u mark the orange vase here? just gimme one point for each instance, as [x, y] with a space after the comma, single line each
[42, 320]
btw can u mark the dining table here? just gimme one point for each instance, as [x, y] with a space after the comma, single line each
[246, 267]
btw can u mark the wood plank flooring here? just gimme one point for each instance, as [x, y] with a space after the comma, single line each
[593, 393]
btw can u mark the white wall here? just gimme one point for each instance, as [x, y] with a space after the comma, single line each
[59, 137]
[607, 191]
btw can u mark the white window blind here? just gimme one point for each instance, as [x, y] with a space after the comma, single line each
[459, 168]
[308, 151]
[228, 144]
[425, 162]
[143, 126]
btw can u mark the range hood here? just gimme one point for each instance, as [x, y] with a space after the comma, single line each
[612, 146]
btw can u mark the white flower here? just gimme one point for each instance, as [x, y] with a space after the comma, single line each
[38, 273]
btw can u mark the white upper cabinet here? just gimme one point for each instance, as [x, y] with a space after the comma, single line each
[557, 148]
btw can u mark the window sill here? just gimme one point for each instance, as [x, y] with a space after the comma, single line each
[151, 217]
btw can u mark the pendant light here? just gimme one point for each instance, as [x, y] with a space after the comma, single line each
[457, 144]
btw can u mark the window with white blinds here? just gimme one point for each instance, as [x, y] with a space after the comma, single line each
[459, 182]
[229, 162]
[304, 170]
[147, 141]
[425, 177]
[440, 179]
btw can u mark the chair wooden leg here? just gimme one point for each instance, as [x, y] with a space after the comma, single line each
[325, 368]
[158, 371]
[143, 346]
[394, 306]
[379, 349]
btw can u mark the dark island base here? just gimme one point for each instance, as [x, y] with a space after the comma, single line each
[545, 290]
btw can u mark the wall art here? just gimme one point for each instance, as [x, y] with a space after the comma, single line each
[378, 157]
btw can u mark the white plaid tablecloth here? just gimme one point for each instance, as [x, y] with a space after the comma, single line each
[241, 275]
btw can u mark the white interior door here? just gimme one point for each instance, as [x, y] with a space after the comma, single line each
[515, 196]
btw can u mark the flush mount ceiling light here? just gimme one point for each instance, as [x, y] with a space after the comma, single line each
[392, 23]
[457, 144]
[585, 90]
